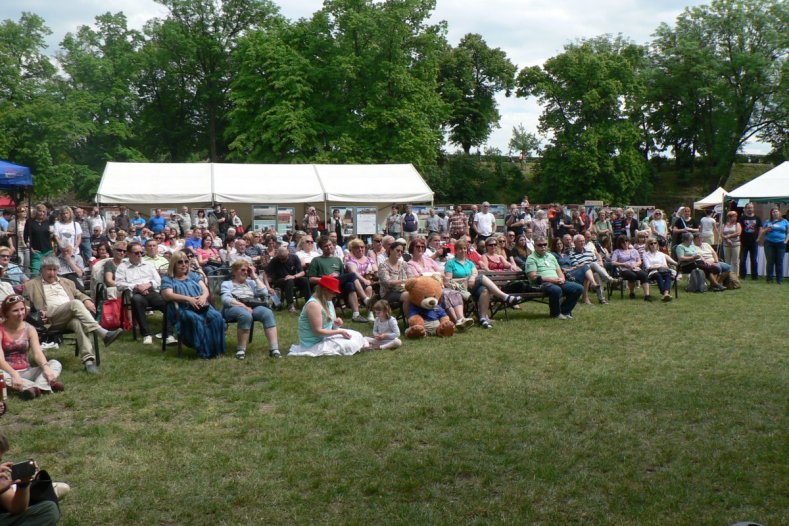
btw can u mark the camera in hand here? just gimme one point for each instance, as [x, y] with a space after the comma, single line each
[23, 470]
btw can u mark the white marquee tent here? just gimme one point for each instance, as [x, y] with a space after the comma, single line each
[714, 199]
[772, 186]
[201, 183]
[155, 183]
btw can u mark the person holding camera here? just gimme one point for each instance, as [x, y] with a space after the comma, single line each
[243, 300]
[17, 507]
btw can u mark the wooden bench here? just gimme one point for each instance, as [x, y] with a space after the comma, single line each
[507, 281]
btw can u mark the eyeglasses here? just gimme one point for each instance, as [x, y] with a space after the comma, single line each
[136, 252]
[421, 247]
[183, 261]
[244, 270]
[502, 242]
[121, 250]
[309, 242]
[5, 256]
[541, 244]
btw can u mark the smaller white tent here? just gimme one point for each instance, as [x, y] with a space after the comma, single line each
[373, 183]
[714, 199]
[155, 183]
[772, 186]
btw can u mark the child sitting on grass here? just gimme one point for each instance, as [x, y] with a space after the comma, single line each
[386, 333]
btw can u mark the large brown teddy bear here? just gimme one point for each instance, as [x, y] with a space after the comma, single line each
[426, 316]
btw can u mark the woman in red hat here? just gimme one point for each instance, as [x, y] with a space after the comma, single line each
[320, 330]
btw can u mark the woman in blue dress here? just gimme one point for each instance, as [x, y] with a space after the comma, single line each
[198, 323]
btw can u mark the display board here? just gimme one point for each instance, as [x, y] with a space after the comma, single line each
[366, 220]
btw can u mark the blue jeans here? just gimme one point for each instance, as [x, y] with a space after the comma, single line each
[245, 318]
[664, 280]
[571, 291]
[774, 254]
[86, 250]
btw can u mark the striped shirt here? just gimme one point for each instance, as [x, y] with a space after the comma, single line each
[585, 257]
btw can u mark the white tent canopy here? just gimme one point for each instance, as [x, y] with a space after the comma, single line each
[155, 183]
[190, 183]
[373, 183]
[266, 183]
[772, 186]
[714, 199]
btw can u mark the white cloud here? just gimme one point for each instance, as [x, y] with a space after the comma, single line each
[529, 31]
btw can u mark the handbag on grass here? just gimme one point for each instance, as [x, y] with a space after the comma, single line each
[41, 489]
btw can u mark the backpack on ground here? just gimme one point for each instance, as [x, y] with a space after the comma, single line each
[697, 281]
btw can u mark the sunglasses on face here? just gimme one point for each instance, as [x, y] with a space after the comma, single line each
[541, 244]
[121, 250]
[137, 252]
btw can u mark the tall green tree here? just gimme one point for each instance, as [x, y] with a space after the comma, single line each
[102, 65]
[357, 82]
[189, 71]
[719, 79]
[523, 141]
[38, 124]
[595, 149]
[471, 75]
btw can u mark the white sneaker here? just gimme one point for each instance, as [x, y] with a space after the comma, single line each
[359, 318]
[562, 317]
[61, 489]
[171, 340]
[49, 345]
[370, 317]
[158, 336]
[147, 340]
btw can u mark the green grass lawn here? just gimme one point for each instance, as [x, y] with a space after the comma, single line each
[632, 413]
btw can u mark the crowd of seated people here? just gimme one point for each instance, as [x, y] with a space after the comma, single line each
[592, 249]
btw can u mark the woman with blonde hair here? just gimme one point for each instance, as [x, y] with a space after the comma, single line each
[659, 226]
[198, 324]
[731, 231]
[66, 230]
[364, 267]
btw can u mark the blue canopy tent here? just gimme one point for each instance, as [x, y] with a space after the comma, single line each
[14, 179]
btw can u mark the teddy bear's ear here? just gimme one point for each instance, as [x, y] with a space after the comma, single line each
[436, 276]
[409, 284]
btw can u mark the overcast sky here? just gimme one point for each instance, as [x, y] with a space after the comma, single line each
[529, 31]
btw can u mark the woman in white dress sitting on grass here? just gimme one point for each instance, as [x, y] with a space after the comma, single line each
[320, 330]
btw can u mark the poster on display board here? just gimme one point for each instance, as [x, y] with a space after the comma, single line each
[264, 217]
[346, 213]
[285, 218]
[366, 220]
[500, 212]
